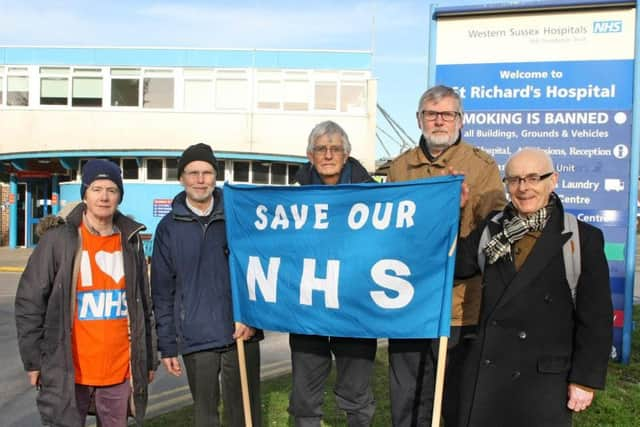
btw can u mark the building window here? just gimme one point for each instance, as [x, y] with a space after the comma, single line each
[296, 95]
[124, 92]
[278, 173]
[241, 171]
[326, 96]
[220, 170]
[54, 86]
[172, 169]
[154, 169]
[130, 169]
[17, 90]
[352, 97]
[86, 90]
[260, 172]
[231, 94]
[115, 160]
[81, 167]
[1, 88]
[125, 87]
[53, 91]
[269, 89]
[293, 169]
[158, 92]
[198, 95]
[269, 95]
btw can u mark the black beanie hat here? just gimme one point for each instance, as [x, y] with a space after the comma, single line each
[194, 152]
[101, 169]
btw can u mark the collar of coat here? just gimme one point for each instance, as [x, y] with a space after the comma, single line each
[127, 226]
[181, 212]
[425, 149]
[358, 173]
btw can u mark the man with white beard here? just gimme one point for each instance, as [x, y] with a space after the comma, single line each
[412, 361]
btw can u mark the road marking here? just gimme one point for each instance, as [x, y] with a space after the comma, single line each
[156, 396]
[11, 269]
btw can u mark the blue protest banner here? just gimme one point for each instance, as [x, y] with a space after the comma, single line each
[356, 260]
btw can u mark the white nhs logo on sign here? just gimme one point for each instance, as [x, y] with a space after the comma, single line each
[102, 305]
[607, 26]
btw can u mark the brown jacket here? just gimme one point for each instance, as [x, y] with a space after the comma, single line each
[486, 194]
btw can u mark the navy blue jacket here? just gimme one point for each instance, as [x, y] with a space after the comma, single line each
[352, 172]
[190, 280]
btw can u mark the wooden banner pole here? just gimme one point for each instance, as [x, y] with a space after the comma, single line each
[246, 403]
[437, 399]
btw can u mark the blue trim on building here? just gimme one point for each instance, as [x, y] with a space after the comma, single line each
[521, 6]
[166, 57]
[263, 157]
[69, 155]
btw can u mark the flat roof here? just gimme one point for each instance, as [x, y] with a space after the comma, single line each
[186, 57]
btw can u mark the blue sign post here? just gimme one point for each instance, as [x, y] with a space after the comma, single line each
[561, 80]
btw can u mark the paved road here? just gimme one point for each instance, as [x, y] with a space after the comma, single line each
[167, 393]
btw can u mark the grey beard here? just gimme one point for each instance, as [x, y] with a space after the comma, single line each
[439, 143]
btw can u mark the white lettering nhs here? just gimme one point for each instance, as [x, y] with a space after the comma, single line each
[386, 273]
[102, 305]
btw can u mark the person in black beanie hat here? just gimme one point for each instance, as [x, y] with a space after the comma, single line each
[101, 169]
[198, 151]
[190, 271]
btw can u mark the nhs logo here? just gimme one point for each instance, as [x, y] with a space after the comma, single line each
[102, 305]
[607, 26]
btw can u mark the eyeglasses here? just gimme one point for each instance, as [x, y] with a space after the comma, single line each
[198, 174]
[531, 179]
[322, 149]
[447, 116]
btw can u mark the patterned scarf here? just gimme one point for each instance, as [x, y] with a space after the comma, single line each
[513, 230]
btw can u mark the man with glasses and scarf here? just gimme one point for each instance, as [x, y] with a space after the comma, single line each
[540, 351]
[412, 361]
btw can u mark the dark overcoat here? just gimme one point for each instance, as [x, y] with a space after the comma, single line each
[532, 342]
[44, 308]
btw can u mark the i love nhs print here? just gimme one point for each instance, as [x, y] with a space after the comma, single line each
[101, 304]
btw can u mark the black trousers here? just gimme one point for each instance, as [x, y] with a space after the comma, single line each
[459, 343]
[412, 364]
[311, 365]
[205, 368]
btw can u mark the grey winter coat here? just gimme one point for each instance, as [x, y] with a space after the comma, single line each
[44, 307]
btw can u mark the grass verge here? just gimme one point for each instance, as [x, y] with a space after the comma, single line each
[617, 406]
